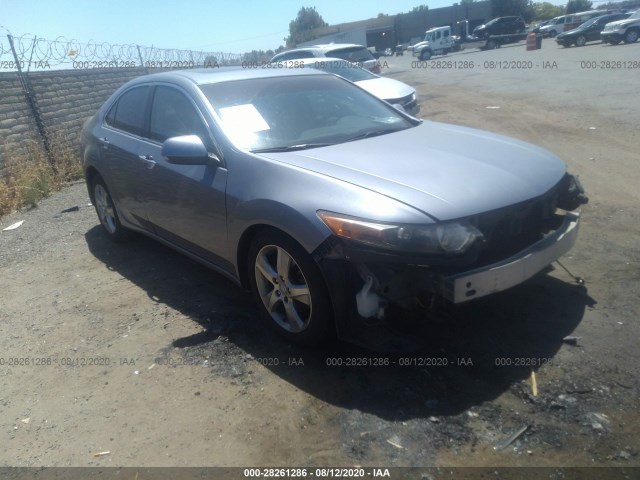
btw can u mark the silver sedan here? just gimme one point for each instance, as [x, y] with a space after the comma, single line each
[326, 202]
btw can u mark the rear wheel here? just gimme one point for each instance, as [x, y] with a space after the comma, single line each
[631, 36]
[289, 289]
[614, 41]
[106, 211]
[552, 33]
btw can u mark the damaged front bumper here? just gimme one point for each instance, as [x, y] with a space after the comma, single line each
[365, 284]
[512, 271]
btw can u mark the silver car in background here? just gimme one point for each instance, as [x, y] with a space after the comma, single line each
[326, 202]
[388, 89]
[346, 51]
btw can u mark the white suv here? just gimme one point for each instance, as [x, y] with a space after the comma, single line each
[346, 51]
[627, 30]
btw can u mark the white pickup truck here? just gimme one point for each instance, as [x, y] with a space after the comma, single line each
[437, 41]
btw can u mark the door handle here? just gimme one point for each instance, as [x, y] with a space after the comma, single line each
[105, 142]
[148, 161]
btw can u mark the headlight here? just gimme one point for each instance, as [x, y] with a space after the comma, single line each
[447, 238]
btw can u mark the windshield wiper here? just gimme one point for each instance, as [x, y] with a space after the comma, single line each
[373, 133]
[291, 148]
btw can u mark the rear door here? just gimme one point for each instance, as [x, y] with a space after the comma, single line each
[120, 139]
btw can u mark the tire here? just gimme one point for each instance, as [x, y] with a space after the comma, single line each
[425, 55]
[566, 44]
[614, 41]
[581, 41]
[107, 212]
[491, 44]
[288, 288]
[631, 36]
[552, 33]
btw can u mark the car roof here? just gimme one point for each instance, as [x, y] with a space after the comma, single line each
[205, 76]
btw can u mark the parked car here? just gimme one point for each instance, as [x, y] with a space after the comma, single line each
[553, 26]
[589, 31]
[627, 30]
[388, 89]
[536, 28]
[323, 200]
[500, 26]
[345, 51]
[388, 52]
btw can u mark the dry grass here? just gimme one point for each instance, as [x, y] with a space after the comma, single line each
[29, 177]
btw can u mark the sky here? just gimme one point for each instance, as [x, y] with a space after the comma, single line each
[201, 25]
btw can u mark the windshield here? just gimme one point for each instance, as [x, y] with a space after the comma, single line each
[588, 23]
[635, 16]
[343, 69]
[299, 111]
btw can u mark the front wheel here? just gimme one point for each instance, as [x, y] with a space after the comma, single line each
[425, 55]
[552, 34]
[581, 41]
[106, 211]
[289, 289]
[631, 36]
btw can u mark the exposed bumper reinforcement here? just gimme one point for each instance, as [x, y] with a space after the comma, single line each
[500, 276]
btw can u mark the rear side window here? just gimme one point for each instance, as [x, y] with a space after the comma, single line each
[128, 113]
[292, 56]
[351, 54]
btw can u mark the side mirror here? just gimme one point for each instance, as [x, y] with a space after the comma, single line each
[187, 150]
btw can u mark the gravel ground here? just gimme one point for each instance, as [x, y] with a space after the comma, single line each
[137, 351]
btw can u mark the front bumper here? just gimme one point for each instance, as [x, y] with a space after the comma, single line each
[508, 273]
[606, 37]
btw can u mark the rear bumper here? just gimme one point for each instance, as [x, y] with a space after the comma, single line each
[508, 273]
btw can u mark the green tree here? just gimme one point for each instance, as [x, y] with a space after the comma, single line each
[300, 29]
[419, 8]
[574, 6]
[502, 8]
[545, 10]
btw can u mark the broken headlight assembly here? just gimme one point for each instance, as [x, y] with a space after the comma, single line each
[446, 238]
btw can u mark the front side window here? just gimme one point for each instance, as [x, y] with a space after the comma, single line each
[128, 113]
[172, 115]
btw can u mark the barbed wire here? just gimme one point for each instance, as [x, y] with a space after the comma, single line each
[43, 53]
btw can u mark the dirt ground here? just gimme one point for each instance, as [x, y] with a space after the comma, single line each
[137, 351]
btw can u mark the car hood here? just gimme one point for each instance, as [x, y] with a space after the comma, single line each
[386, 88]
[575, 31]
[443, 170]
[620, 23]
